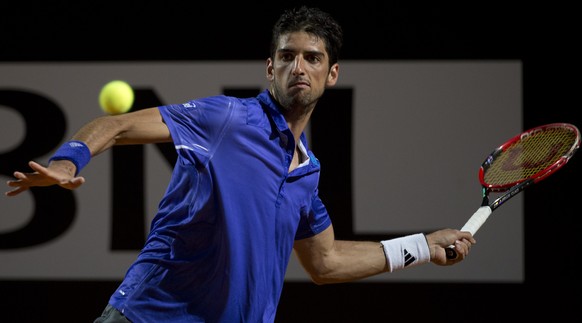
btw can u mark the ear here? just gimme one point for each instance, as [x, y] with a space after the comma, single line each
[269, 69]
[333, 75]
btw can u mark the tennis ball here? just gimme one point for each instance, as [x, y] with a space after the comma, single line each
[116, 97]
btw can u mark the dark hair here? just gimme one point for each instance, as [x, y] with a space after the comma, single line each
[313, 21]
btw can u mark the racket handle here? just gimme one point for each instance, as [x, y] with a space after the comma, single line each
[472, 225]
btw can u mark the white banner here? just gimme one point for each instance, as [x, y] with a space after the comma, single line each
[420, 132]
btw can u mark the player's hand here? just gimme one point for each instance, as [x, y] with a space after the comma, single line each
[59, 172]
[438, 241]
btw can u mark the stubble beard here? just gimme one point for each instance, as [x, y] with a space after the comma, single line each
[298, 104]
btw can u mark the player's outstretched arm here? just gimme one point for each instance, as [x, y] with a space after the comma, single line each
[100, 134]
[327, 260]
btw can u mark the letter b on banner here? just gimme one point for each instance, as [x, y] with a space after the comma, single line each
[45, 129]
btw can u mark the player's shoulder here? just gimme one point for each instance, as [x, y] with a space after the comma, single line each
[220, 107]
[226, 102]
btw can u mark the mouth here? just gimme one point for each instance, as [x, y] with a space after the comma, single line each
[299, 84]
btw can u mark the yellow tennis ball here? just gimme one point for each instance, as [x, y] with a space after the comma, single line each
[116, 97]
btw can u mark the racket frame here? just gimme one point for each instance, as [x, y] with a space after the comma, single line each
[542, 174]
[512, 189]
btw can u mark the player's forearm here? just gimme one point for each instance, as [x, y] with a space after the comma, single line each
[140, 127]
[350, 261]
[100, 134]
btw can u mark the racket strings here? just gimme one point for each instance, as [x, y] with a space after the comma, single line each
[529, 156]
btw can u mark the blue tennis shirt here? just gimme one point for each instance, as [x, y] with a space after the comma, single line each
[223, 235]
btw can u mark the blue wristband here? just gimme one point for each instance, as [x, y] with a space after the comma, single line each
[74, 151]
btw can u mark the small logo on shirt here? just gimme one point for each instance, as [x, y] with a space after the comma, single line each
[75, 144]
[189, 105]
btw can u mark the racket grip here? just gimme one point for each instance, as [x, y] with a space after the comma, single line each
[472, 225]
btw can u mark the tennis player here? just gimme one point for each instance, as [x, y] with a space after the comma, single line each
[242, 196]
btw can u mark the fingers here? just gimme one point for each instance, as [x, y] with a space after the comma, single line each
[73, 183]
[468, 237]
[19, 175]
[19, 188]
[38, 168]
[463, 246]
[451, 246]
[16, 191]
[26, 181]
[41, 176]
[19, 184]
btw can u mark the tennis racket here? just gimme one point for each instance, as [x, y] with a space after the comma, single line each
[523, 160]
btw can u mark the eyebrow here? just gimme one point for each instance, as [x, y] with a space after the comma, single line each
[310, 52]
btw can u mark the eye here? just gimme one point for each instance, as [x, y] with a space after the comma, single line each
[286, 57]
[313, 59]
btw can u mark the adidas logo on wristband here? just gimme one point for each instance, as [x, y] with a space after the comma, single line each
[408, 258]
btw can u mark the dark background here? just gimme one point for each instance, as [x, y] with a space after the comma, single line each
[545, 38]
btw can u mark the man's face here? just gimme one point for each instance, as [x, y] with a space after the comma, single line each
[299, 72]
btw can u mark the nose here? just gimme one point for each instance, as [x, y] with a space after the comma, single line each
[298, 67]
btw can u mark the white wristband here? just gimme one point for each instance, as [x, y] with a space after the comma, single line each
[406, 251]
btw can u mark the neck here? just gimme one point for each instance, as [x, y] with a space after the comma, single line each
[297, 122]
